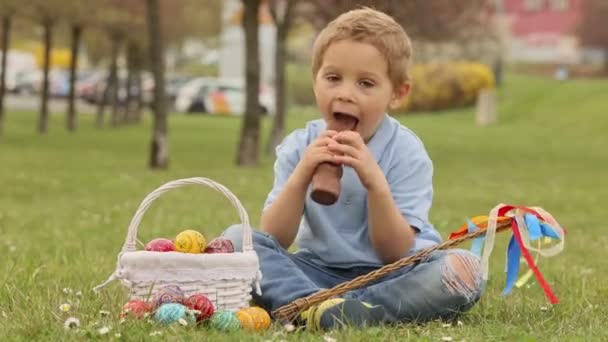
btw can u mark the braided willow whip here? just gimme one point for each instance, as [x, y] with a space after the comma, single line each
[290, 311]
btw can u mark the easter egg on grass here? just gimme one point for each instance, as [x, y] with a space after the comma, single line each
[190, 241]
[168, 294]
[160, 245]
[135, 308]
[254, 318]
[225, 320]
[170, 313]
[203, 306]
[219, 245]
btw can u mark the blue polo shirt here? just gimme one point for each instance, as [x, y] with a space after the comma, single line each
[338, 235]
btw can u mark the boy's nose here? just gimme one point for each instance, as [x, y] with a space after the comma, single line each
[344, 94]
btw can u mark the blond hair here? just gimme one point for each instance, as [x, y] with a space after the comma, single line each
[370, 26]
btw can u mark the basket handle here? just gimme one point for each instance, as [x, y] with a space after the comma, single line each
[130, 241]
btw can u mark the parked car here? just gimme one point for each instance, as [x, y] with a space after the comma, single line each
[219, 96]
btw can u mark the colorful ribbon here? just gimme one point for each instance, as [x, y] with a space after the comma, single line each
[528, 224]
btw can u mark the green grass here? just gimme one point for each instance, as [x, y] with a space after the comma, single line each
[66, 200]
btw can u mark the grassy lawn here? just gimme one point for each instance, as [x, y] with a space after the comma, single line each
[66, 200]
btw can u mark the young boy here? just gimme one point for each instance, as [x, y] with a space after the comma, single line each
[359, 65]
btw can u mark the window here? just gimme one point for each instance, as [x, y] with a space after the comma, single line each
[559, 5]
[533, 5]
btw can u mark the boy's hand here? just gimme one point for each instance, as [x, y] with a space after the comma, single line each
[349, 149]
[316, 153]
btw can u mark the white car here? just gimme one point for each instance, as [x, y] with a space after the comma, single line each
[219, 96]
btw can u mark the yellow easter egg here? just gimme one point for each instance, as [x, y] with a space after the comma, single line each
[247, 321]
[190, 241]
[260, 317]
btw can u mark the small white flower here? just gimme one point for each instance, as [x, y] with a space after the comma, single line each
[103, 330]
[460, 324]
[117, 335]
[4, 314]
[71, 323]
[289, 327]
[446, 338]
[156, 333]
[67, 290]
[446, 325]
[328, 338]
[544, 308]
[182, 322]
[65, 307]
[104, 313]
[122, 320]
[79, 294]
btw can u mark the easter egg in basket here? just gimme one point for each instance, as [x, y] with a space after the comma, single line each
[135, 308]
[219, 245]
[160, 245]
[168, 294]
[203, 306]
[190, 241]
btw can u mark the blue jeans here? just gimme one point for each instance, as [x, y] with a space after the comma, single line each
[435, 288]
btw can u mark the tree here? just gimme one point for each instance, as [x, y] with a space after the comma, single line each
[250, 131]
[47, 13]
[7, 10]
[77, 14]
[159, 149]
[282, 14]
[592, 30]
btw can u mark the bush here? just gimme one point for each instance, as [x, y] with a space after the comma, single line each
[449, 85]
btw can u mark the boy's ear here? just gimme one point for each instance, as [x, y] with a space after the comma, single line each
[399, 95]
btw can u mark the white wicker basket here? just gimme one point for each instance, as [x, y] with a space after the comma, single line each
[225, 278]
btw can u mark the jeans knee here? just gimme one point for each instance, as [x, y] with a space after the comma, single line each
[234, 233]
[461, 274]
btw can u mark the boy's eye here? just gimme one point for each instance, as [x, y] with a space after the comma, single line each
[332, 78]
[366, 83]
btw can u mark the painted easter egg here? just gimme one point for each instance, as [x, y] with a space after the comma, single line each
[160, 245]
[254, 318]
[168, 294]
[170, 313]
[190, 241]
[135, 308]
[225, 320]
[202, 305]
[219, 245]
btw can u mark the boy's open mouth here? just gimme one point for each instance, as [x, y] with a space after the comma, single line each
[344, 121]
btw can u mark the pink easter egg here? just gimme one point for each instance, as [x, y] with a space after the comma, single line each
[160, 245]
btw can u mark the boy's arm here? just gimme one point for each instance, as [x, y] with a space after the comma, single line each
[285, 205]
[282, 217]
[390, 233]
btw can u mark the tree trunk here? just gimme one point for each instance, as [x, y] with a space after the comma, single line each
[159, 149]
[114, 119]
[76, 36]
[6, 28]
[606, 60]
[250, 131]
[43, 123]
[101, 102]
[278, 126]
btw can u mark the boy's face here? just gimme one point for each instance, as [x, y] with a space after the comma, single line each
[353, 80]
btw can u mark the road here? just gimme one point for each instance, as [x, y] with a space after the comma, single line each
[29, 102]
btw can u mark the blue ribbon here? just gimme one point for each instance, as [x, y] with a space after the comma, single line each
[536, 230]
[477, 244]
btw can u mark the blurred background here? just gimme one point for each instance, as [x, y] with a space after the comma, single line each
[97, 56]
